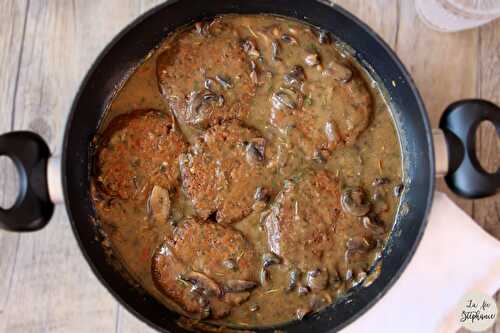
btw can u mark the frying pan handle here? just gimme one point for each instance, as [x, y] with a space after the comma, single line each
[459, 123]
[33, 208]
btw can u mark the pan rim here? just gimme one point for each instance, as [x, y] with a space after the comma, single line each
[144, 17]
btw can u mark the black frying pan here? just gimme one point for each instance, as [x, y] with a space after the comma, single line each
[31, 155]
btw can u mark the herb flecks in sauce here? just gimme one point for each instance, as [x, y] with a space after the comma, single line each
[265, 183]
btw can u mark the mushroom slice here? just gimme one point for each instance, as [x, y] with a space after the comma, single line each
[317, 279]
[324, 37]
[275, 48]
[224, 81]
[338, 72]
[236, 286]
[255, 150]
[285, 98]
[373, 224]
[269, 259]
[398, 189]
[312, 59]
[293, 278]
[199, 101]
[354, 202]
[287, 39]
[210, 287]
[295, 76]
[158, 204]
[230, 264]
[202, 28]
[249, 48]
[264, 276]
[302, 312]
[261, 194]
[303, 290]
[360, 244]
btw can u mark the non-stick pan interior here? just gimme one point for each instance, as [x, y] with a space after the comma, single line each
[133, 44]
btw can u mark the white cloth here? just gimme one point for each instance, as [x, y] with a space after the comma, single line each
[455, 256]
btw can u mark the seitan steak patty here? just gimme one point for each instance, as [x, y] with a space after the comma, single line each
[224, 170]
[138, 151]
[204, 75]
[207, 268]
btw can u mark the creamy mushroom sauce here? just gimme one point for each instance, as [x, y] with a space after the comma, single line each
[371, 162]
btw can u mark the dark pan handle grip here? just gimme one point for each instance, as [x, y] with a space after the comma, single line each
[33, 208]
[459, 123]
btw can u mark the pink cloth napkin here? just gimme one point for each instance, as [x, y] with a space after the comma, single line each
[455, 256]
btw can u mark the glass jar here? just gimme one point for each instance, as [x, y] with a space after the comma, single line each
[456, 15]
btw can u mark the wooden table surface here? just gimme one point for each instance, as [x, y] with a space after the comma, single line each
[46, 47]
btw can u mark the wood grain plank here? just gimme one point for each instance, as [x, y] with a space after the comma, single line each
[128, 323]
[380, 15]
[487, 211]
[442, 65]
[54, 289]
[447, 67]
[12, 24]
[49, 77]
[145, 5]
[412, 41]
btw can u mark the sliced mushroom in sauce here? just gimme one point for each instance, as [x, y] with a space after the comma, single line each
[269, 259]
[373, 224]
[261, 194]
[255, 150]
[159, 204]
[285, 98]
[202, 28]
[339, 72]
[294, 77]
[293, 279]
[303, 290]
[250, 48]
[200, 280]
[324, 37]
[354, 201]
[312, 59]
[275, 50]
[282, 188]
[317, 279]
[288, 39]
[235, 286]
[230, 264]
[224, 81]
[398, 190]
[199, 101]
[302, 312]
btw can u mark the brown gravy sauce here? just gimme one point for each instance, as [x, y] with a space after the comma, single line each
[375, 156]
